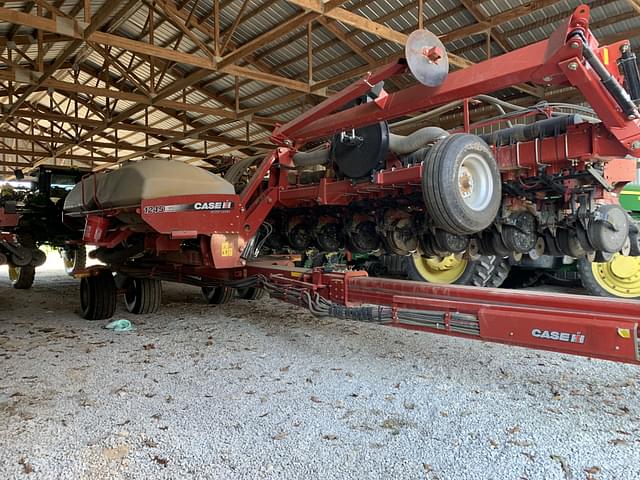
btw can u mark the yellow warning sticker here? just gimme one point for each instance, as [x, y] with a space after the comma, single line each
[226, 250]
[605, 55]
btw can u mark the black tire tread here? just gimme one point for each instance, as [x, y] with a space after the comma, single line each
[490, 271]
[487, 271]
[438, 180]
[25, 278]
[102, 296]
[220, 295]
[588, 280]
[148, 296]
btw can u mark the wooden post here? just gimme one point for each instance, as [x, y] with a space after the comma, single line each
[152, 63]
[488, 44]
[310, 52]
[216, 28]
[237, 88]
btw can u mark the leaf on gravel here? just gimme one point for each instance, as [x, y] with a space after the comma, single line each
[329, 437]
[315, 399]
[409, 405]
[513, 430]
[285, 369]
[568, 474]
[280, 436]
[26, 466]
[150, 443]
[494, 444]
[520, 443]
[149, 346]
[618, 441]
[592, 470]
[160, 460]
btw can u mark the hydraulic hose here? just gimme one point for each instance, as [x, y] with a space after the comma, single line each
[401, 145]
[313, 157]
[609, 82]
[539, 129]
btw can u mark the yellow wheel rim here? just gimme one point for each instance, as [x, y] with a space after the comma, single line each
[440, 270]
[620, 276]
[14, 273]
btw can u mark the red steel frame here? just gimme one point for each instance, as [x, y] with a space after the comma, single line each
[600, 328]
[593, 327]
[545, 62]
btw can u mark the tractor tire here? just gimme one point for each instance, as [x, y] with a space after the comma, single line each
[461, 184]
[491, 272]
[250, 293]
[217, 295]
[488, 271]
[619, 277]
[74, 258]
[22, 277]
[142, 295]
[98, 296]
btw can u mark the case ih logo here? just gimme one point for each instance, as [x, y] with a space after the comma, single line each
[226, 205]
[558, 336]
[221, 206]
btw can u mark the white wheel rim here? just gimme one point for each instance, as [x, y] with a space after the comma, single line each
[475, 182]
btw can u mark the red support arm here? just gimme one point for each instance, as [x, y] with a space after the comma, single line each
[556, 61]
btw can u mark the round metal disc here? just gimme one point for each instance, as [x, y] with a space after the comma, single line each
[421, 52]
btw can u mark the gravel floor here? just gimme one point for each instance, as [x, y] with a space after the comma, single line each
[264, 390]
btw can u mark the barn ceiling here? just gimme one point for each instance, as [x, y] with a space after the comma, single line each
[95, 83]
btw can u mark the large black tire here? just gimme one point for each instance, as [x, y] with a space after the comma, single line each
[74, 258]
[217, 295]
[491, 271]
[250, 293]
[98, 296]
[605, 280]
[488, 271]
[142, 295]
[22, 277]
[454, 206]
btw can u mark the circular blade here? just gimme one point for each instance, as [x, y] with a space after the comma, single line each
[427, 58]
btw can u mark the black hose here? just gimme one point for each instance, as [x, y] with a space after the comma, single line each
[522, 133]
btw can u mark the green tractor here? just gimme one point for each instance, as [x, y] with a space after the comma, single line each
[40, 220]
